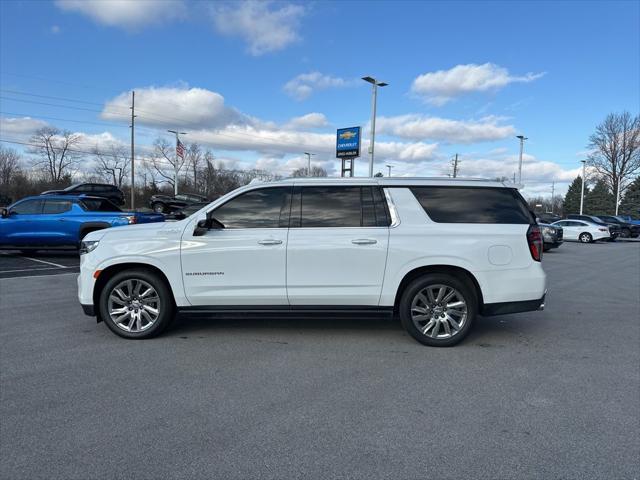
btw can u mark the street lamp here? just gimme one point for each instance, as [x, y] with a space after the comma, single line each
[389, 167]
[374, 95]
[175, 166]
[584, 165]
[522, 139]
[309, 162]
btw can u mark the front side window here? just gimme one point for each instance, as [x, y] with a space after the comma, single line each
[28, 207]
[473, 205]
[263, 208]
[56, 206]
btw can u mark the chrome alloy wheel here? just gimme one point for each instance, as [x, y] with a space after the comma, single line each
[134, 305]
[439, 311]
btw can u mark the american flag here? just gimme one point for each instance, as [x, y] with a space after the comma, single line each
[180, 149]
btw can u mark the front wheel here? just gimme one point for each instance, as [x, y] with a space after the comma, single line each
[136, 304]
[158, 208]
[585, 237]
[438, 309]
[625, 233]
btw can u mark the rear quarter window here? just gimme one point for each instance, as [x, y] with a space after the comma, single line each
[473, 205]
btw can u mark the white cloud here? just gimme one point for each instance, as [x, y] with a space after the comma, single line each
[55, 29]
[19, 129]
[302, 86]
[264, 27]
[128, 14]
[310, 120]
[420, 127]
[181, 107]
[443, 85]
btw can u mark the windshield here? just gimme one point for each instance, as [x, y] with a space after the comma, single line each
[99, 205]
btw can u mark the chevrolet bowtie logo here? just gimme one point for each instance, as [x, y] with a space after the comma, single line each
[347, 135]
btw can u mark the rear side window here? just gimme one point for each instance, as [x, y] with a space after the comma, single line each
[339, 207]
[56, 206]
[473, 205]
[263, 208]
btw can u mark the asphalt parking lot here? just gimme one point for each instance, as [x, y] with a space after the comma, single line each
[553, 394]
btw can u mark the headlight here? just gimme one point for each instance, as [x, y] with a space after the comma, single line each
[88, 246]
[548, 231]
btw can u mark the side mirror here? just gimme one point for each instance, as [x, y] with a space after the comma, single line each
[5, 213]
[205, 225]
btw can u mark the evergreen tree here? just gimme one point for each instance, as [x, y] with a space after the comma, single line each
[600, 200]
[630, 204]
[571, 203]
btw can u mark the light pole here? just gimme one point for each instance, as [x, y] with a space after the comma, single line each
[584, 165]
[618, 196]
[389, 167]
[522, 139]
[374, 95]
[175, 166]
[309, 155]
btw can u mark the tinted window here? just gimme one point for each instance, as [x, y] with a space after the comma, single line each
[263, 208]
[473, 205]
[339, 207]
[99, 205]
[331, 207]
[28, 207]
[56, 206]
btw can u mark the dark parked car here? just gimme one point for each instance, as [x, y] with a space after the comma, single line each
[548, 217]
[172, 204]
[552, 236]
[627, 229]
[614, 228]
[104, 190]
[4, 200]
[61, 221]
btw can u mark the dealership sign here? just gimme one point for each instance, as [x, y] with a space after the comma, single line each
[348, 142]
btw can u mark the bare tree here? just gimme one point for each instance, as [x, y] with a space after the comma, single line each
[165, 161]
[615, 149]
[112, 165]
[315, 172]
[9, 165]
[194, 157]
[54, 152]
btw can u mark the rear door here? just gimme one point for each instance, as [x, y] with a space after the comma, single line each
[244, 262]
[337, 247]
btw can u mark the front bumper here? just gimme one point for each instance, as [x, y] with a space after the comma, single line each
[89, 310]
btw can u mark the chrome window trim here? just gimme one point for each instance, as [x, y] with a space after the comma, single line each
[395, 219]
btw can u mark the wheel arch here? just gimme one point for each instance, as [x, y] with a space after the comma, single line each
[459, 272]
[111, 270]
[88, 227]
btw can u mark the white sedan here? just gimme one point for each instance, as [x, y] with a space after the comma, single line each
[585, 232]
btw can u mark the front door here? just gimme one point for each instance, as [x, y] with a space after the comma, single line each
[22, 227]
[337, 246]
[244, 262]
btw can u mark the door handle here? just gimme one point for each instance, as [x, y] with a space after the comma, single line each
[364, 241]
[270, 241]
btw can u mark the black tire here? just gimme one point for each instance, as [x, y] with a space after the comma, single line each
[625, 233]
[158, 207]
[418, 285]
[546, 247]
[585, 237]
[166, 303]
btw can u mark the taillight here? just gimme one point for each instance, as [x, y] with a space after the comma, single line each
[131, 219]
[534, 239]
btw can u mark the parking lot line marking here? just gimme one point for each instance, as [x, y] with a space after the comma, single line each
[40, 276]
[28, 270]
[44, 261]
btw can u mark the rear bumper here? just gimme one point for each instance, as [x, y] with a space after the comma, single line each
[89, 310]
[490, 309]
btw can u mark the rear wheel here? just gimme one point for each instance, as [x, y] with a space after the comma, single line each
[585, 237]
[438, 309]
[136, 304]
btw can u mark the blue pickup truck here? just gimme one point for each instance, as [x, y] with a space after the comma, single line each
[61, 221]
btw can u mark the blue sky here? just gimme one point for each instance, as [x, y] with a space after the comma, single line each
[261, 82]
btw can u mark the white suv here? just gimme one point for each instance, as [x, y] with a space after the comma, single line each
[437, 252]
